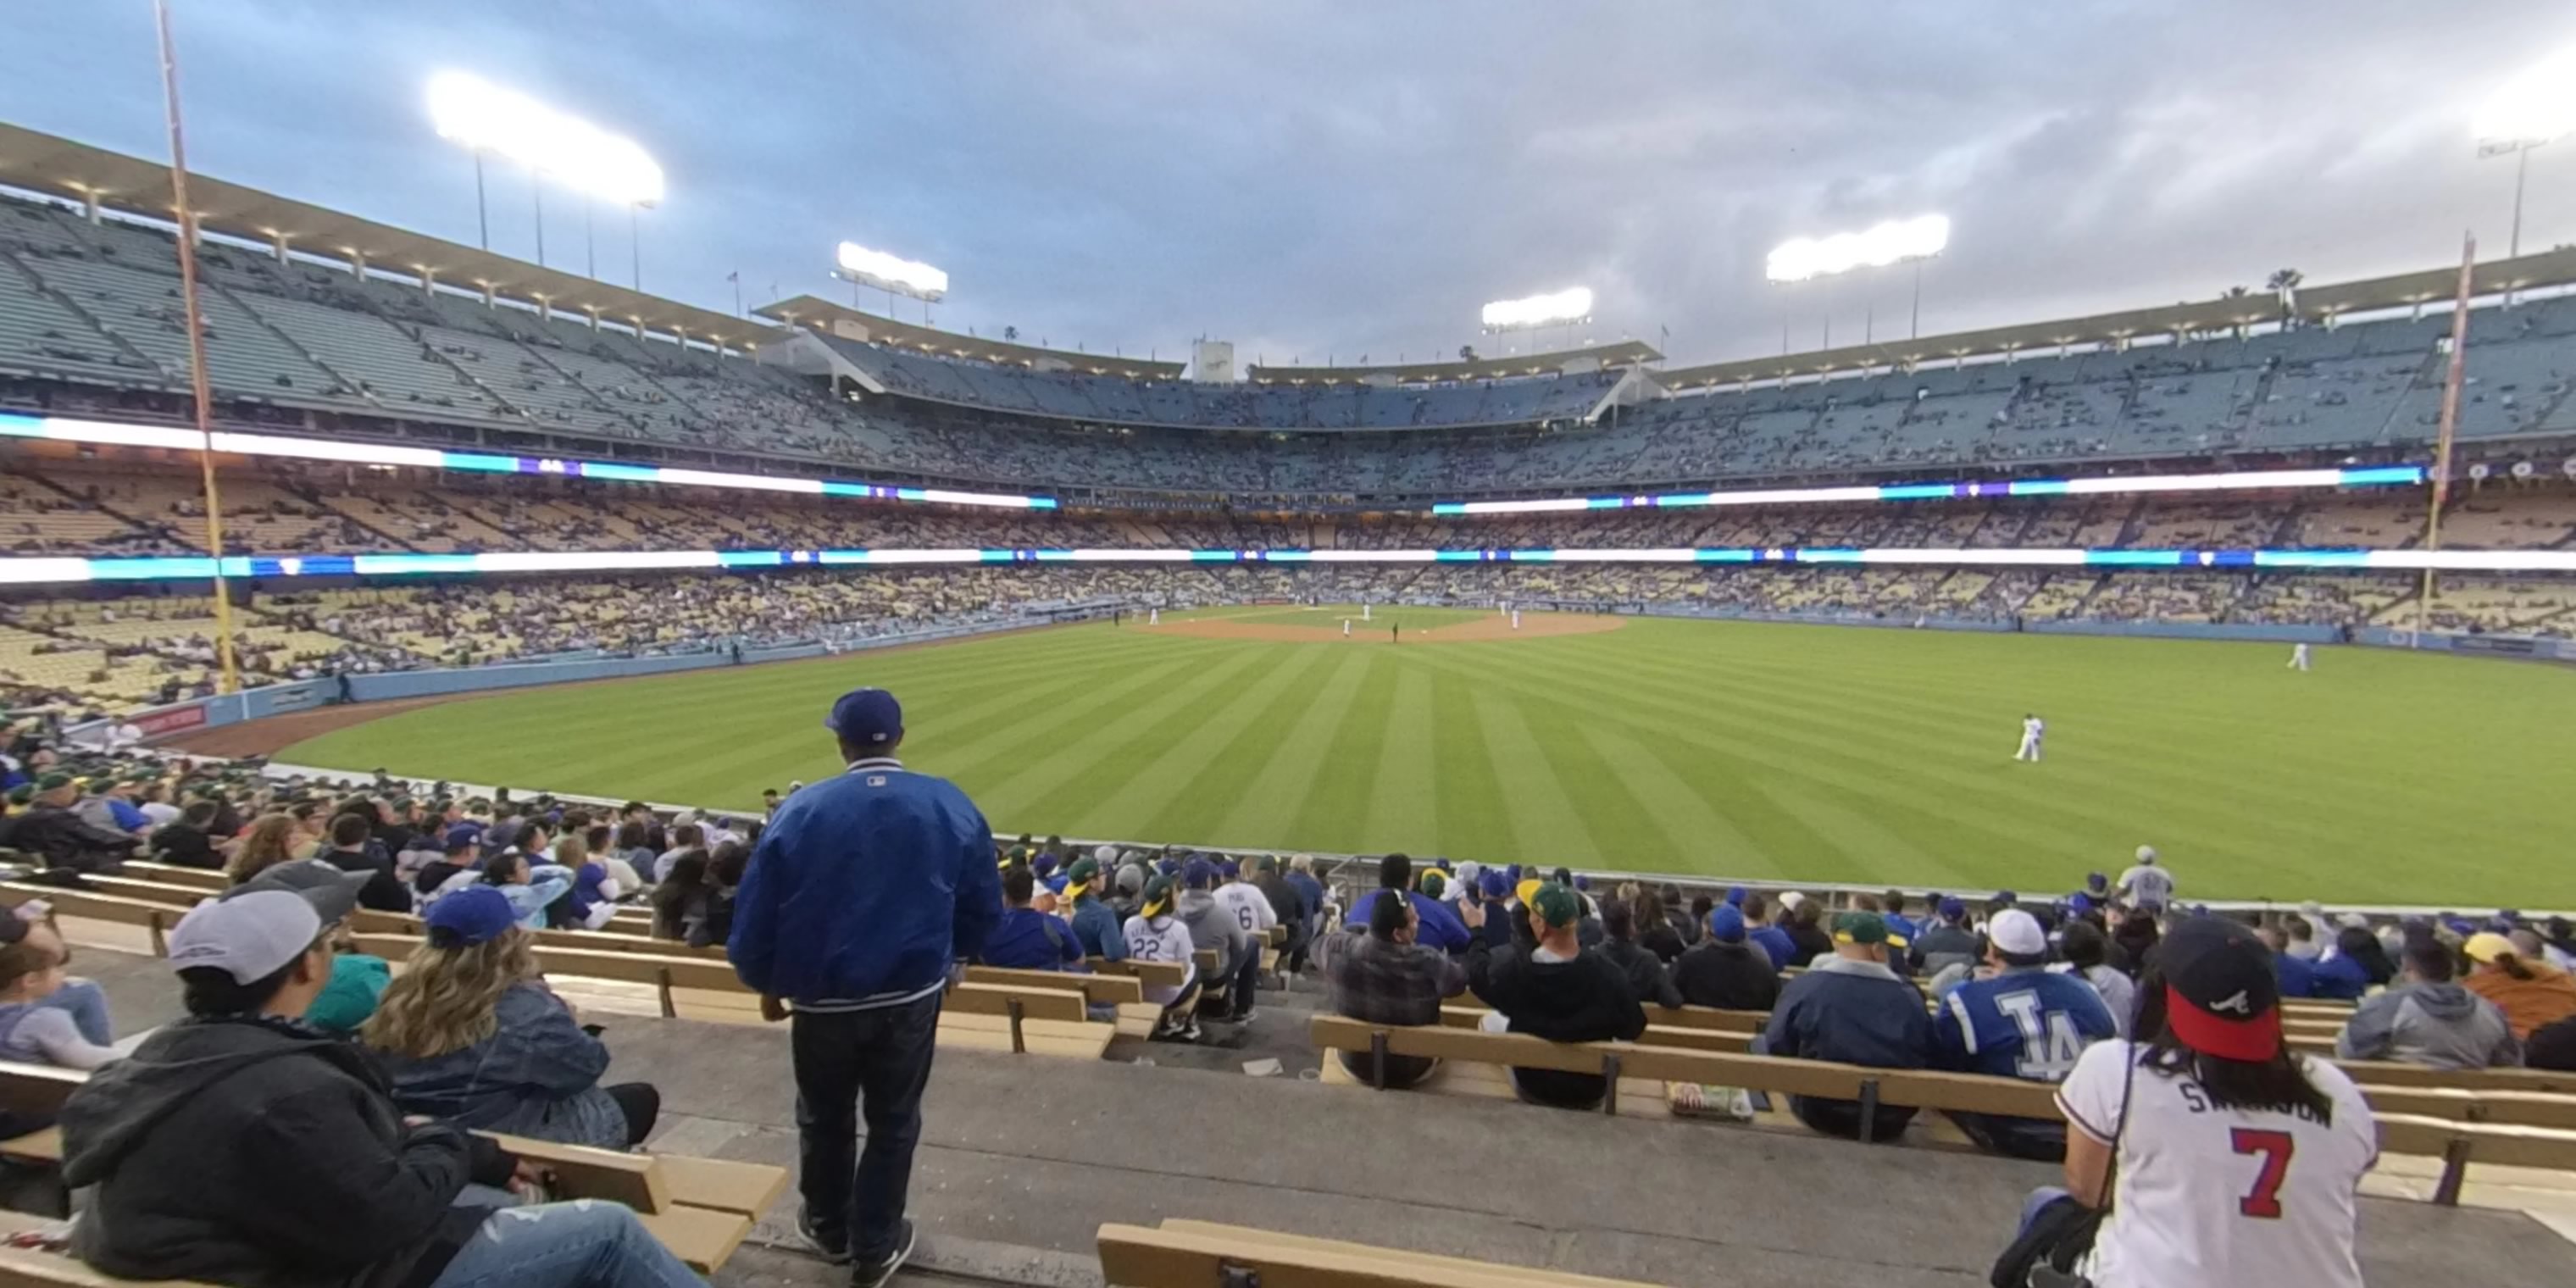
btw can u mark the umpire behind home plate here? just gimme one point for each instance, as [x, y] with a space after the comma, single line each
[862, 893]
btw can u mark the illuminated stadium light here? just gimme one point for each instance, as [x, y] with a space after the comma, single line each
[2232, 481]
[1892, 242]
[70, 429]
[44, 570]
[2536, 107]
[1556, 308]
[2533, 109]
[485, 117]
[884, 272]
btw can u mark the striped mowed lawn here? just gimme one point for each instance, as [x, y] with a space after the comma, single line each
[1738, 749]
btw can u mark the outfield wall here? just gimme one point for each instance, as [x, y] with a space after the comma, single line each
[306, 695]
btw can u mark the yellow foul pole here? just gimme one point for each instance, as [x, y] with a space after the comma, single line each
[2450, 422]
[204, 397]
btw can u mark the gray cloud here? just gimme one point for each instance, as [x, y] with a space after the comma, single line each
[1311, 178]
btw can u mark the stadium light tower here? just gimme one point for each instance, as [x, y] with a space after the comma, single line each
[892, 274]
[1897, 241]
[484, 117]
[1568, 308]
[2535, 108]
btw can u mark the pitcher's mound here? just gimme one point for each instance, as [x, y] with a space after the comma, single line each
[1495, 627]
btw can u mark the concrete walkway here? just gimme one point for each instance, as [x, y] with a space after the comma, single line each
[1023, 1158]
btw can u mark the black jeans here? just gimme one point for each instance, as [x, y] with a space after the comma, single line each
[1247, 977]
[852, 1062]
[642, 1105]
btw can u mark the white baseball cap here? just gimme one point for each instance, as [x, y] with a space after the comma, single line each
[249, 936]
[2146, 854]
[2016, 933]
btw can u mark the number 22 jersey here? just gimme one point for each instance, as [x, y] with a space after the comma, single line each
[2221, 1197]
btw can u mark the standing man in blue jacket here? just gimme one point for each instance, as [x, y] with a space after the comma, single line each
[861, 896]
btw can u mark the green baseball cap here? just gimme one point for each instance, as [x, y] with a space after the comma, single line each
[53, 782]
[1864, 928]
[1557, 906]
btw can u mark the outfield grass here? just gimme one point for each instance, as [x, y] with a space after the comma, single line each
[1771, 751]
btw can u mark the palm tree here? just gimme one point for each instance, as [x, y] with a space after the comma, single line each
[2285, 284]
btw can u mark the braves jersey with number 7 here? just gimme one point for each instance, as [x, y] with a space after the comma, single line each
[2221, 1198]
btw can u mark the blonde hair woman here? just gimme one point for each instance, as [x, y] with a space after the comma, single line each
[269, 842]
[470, 1033]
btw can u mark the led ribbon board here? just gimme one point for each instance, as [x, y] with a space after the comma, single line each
[70, 429]
[2235, 481]
[57, 570]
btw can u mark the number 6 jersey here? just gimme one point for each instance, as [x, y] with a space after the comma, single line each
[2221, 1197]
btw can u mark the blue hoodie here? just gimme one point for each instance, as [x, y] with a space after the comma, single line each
[2339, 978]
[1440, 927]
[1775, 942]
[2297, 974]
[1028, 939]
[863, 890]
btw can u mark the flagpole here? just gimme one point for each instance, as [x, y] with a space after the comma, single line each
[228, 671]
[2450, 423]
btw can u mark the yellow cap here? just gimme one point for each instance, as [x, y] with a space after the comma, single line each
[1527, 890]
[2487, 945]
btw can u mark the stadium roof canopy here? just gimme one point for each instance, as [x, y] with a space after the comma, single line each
[2314, 303]
[46, 163]
[1626, 353]
[853, 324]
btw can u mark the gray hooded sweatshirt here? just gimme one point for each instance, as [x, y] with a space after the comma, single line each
[2439, 1026]
[1212, 926]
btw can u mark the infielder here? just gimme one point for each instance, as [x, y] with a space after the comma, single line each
[2031, 730]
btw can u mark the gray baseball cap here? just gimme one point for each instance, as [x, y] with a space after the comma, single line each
[332, 891]
[249, 935]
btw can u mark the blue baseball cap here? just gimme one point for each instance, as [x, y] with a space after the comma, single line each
[866, 718]
[2096, 882]
[1229, 869]
[1952, 909]
[463, 836]
[1582, 882]
[2080, 903]
[1735, 896]
[1726, 924]
[474, 915]
[2006, 897]
[1199, 875]
[1494, 885]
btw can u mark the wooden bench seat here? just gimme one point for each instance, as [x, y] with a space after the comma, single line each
[699, 1208]
[2526, 1131]
[1204, 1254]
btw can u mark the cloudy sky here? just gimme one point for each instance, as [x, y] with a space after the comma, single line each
[1314, 179]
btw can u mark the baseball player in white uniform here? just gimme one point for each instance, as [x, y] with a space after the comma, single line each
[2032, 727]
[2298, 657]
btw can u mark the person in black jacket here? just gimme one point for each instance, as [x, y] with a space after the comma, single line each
[1621, 944]
[1554, 990]
[349, 852]
[241, 1147]
[1724, 971]
[53, 833]
[1655, 931]
[184, 842]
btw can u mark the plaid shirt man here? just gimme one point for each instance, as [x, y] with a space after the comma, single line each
[1385, 982]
